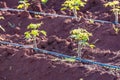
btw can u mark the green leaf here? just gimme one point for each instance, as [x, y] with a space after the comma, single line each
[80, 35]
[27, 4]
[64, 8]
[27, 35]
[31, 26]
[43, 32]
[33, 30]
[20, 6]
[23, 4]
[73, 4]
[35, 33]
[92, 46]
[112, 3]
[70, 59]
[44, 1]
[34, 26]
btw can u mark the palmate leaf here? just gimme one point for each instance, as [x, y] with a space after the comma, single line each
[83, 37]
[27, 4]
[20, 6]
[115, 10]
[31, 26]
[34, 26]
[82, 4]
[74, 32]
[112, 3]
[64, 8]
[35, 32]
[23, 4]
[43, 32]
[27, 35]
[73, 4]
[92, 46]
[115, 2]
[80, 35]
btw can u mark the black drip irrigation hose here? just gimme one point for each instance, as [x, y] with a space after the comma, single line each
[62, 55]
[56, 15]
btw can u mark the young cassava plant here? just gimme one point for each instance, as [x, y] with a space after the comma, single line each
[116, 10]
[23, 4]
[73, 5]
[81, 36]
[33, 32]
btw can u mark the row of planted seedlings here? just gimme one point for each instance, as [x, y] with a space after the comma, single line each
[79, 36]
[74, 6]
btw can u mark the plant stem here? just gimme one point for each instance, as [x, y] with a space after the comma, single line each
[116, 17]
[75, 12]
[35, 43]
[79, 52]
[25, 6]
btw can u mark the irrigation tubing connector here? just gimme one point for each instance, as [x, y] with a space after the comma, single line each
[62, 55]
[55, 15]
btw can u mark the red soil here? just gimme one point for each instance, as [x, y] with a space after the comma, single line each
[24, 64]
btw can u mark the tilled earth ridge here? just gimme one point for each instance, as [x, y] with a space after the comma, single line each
[22, 64]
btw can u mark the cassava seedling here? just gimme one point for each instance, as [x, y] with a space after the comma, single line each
[33, 32]
[115, 8]
[24, 4]
[81, 36]
[73, 5]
